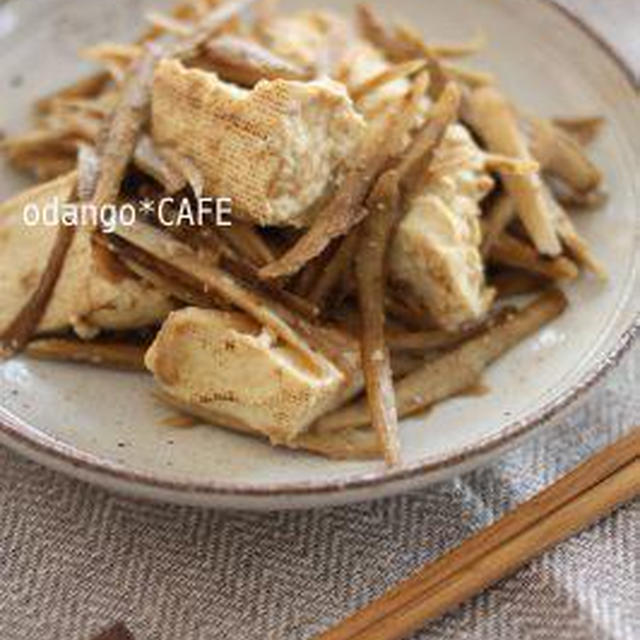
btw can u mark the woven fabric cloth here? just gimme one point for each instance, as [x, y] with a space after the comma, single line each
[74, 559]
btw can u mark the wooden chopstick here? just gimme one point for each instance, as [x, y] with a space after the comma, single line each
[579, 499]
[118, 631]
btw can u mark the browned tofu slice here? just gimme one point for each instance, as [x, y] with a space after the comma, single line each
[304, 37]
[274, 150]
[83, 298]
[223, 363]
[436, 250]
[364, 62]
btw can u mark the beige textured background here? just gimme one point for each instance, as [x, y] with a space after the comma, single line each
[74, 559]
[617, 21]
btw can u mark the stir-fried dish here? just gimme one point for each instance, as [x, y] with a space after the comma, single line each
[389, 209]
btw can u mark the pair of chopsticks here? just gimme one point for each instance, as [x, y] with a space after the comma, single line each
[578, 500]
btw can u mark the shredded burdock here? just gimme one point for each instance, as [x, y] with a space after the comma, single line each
[384, 205]
[110, 354]
[389, 208]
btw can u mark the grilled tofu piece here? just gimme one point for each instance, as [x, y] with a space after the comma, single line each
[225, 364]
[274, 150]
[83, 298]
[436, 251]
[305, 37]
[364, 62]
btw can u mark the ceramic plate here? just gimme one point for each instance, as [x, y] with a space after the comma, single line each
[107, 428]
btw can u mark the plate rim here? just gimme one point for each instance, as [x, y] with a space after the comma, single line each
[70, 459]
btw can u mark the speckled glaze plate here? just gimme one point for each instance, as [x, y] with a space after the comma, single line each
[107, 428]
